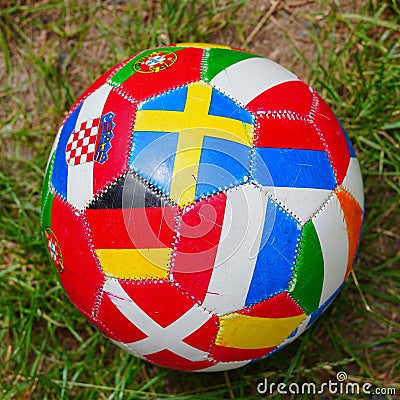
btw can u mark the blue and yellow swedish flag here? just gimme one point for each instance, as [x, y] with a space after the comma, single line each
[192, 141]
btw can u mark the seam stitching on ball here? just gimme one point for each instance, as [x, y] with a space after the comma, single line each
[284, 207]
[253, 153]
[309, 119]
[230, 96]
[204, 64]
[83, 222]
[294, 262]
[130, 137]
[314, 108]
[137, 282]
[237, 101]
[314, 105]
[293, 278]
[292, 298]
[283, 114]
[322, 206]
[304, 322]
[99, 295]
[352, 194]
[77, 211]
[50, 188]
[123, 64]
[178, 288]
[230, 362]
[113, 180]
[165, 91]
[177, 236]
[175, 239]
[294, 272]
[278, 202]
[126, 96]
[156, 190]
[99, 194]
[213, 342]
[200, 306]
[77, 104]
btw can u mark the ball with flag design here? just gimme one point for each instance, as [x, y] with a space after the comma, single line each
[202, 206]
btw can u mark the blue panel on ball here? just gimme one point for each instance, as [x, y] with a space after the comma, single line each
[223, 106]
[174, 100]
[59, 178]
[293, 168]
[276, 256]
[223, 164]
[153, 157]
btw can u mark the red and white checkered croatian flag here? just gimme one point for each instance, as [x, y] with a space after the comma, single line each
[81, 146]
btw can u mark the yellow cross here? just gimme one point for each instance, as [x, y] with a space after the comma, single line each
[193, 124]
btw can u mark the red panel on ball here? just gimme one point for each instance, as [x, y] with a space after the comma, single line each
[168, 359]
[118, 327]
[196, 248]
[292, 96]
[160, 300]
[284, 132]
[279, 306]
[142, 85]
[204, 337]
[81, 278]
[132, 228]
[334, 138]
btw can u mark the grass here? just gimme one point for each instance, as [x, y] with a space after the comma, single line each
[50, 54]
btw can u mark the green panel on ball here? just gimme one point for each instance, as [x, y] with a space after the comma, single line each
[47, 195]
[308, 275]
[216, 60]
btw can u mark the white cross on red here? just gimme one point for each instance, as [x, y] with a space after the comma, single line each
[158, 338]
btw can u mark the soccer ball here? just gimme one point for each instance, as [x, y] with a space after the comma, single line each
[202, 206]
